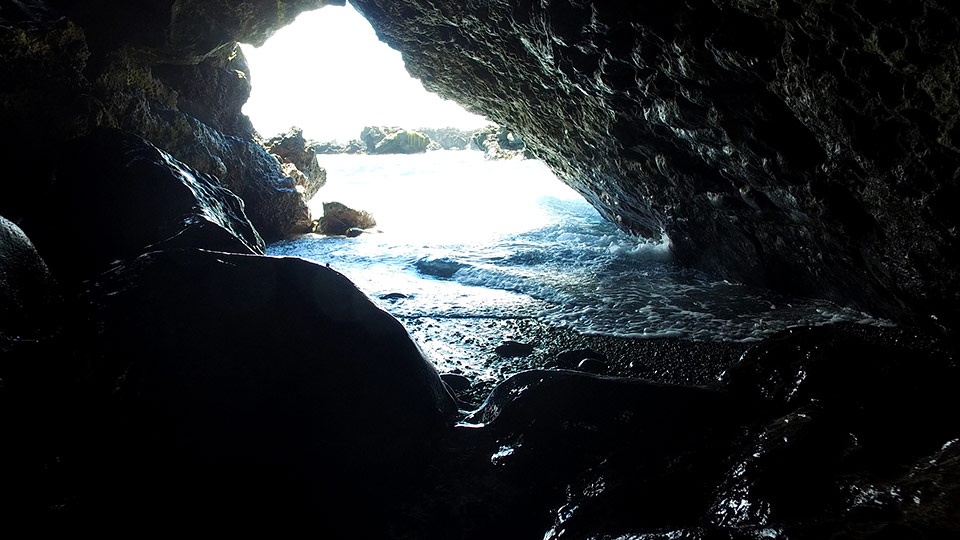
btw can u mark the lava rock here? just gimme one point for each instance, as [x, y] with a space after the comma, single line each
[394, 140]
[571, 359]
[339, 220]
[292, 149]
[440, 267]
[592, 365]
[123, 196]
[773, 145]
[513, 349]
[456, 382]
[27, 289]
[261, 384]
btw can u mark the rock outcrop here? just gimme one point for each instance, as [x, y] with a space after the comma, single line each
[450, 138]
[115, 196]
[164, 71]
[339, 219]
[394, 140]
[298, 160]
[354, 146]
[809, 147]
[498, 142]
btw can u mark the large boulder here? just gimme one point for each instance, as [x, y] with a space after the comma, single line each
[116, 196]
[164, 71]
[255, 384]
[811, 147]
[338, 219]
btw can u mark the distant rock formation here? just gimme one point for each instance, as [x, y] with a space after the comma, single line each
[499, 142]
[298, 160]
[340, 220]
[394, 140]
[397, 140]
[451, 138]
[353, 146]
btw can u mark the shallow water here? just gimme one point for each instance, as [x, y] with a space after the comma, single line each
[461, 237]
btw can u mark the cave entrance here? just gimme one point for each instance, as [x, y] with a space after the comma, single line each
[329, 74]
[466, 251]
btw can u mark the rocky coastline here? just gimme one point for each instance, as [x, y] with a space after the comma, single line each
[159, 373]
[496, 142]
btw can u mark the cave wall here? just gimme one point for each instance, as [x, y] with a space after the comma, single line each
[169, 71]
[808, 146]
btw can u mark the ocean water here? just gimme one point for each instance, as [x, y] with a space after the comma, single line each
[461, 237]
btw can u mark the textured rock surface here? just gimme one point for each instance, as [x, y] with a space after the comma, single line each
[170, 72]
[292, 149]
[394, 140]
[115, 196]
[338, 219]
[27, 290]
[251, 384]
[498, 142]
[808, 146]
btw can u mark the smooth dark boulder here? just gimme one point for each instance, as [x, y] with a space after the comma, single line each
[116, 196]
[255, 384]
[511, 348]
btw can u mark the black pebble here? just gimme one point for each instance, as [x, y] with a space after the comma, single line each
[512, 349]
[456, 382]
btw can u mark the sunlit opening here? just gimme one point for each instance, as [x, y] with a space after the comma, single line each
[329, 74]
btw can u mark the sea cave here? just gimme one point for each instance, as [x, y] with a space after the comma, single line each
[160, 370]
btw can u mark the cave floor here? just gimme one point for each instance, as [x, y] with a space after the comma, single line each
[467, 346]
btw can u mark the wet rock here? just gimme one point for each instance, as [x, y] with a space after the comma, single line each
[450, 138]
[499, 142]
[606, 451]
[572, 358]
[456, 382]
[27, 290]
[116, 66]
[292, 149]
[592, 365]
[441, 267]
[122, 197]
[338, 219]
[393, 296]
[354, 146]
[510, 349]
[775, 143]
[226, 402]
[849, 412]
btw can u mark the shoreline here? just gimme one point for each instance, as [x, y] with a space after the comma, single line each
[467, 347]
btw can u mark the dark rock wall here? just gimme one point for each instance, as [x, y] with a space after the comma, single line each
[812, 147]
[169, 71]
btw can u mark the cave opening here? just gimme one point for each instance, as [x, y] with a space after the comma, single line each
[466, 251]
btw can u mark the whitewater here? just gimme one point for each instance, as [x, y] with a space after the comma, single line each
[461, 237]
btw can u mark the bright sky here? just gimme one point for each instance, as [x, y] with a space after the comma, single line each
[329, 74]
